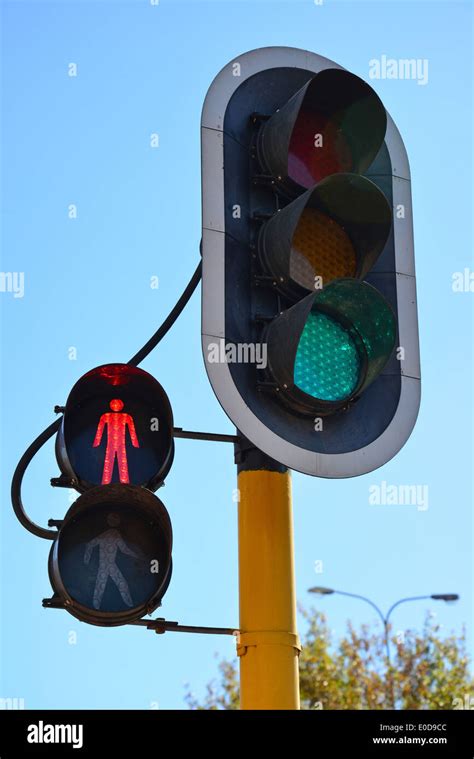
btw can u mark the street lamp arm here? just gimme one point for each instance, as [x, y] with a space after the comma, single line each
[363, 598]
[402, 601]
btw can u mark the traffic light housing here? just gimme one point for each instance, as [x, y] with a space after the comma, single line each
[338, 229]
[335, 107]
[308, 265]
[111, 561]
[117, 427]
[336, 343]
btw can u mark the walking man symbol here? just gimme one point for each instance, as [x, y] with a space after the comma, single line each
[117, 424]
[109, 543]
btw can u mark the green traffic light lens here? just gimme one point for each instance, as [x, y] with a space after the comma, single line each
[327, 364]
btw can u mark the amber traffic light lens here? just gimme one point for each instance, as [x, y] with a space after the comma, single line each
[320, 251]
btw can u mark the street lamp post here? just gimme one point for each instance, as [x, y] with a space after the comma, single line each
[447, 597]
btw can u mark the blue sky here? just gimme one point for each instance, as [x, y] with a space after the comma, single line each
[85, 140]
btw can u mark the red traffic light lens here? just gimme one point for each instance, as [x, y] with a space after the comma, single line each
[334, 124]
[318, 148]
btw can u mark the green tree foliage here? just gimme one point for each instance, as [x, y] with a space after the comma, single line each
[428, 671]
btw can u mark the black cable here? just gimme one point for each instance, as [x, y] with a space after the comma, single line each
[33, 449]
[170, 319]
[20, 470]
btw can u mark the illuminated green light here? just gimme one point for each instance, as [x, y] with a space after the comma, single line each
[327, 364]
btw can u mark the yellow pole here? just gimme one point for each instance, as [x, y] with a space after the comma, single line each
[268, 644]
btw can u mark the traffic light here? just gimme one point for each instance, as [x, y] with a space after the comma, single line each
[117, 427]
[336, 343]
[309, 323]
[111, 562]
[331, 113]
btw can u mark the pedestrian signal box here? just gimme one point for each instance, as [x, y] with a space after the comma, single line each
[117, 428]
[111, 562]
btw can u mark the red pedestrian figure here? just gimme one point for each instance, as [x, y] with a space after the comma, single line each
[116, 441]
